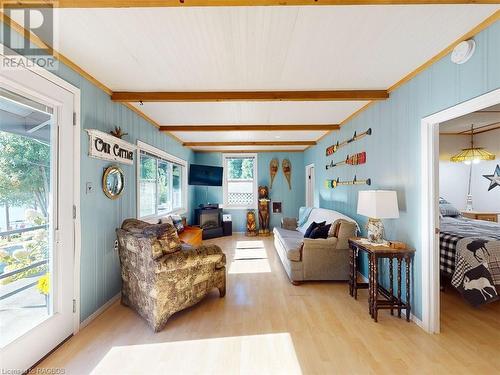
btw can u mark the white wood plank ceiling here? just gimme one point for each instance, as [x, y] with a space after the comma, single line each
[260, 49]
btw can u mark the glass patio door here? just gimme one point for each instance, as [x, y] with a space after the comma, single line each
[36, 218]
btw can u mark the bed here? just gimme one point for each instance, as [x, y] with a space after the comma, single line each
[470, 255]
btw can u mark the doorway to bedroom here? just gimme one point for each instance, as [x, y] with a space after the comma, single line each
[461, 208]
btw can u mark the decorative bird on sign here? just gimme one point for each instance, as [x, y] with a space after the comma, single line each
[118, 132]
[494, 178]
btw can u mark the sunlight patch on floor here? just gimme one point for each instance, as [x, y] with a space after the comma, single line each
[258, 354]
[240, 254]
[255, 244]
[249, 266]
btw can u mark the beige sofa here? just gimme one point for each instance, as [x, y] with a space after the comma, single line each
[315, 259]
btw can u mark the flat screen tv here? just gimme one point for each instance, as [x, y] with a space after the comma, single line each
[205, 175]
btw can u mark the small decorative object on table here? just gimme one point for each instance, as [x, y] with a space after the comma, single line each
[377, 204]
[375, 253]
[287, 171]
[264, 211]
[251, 224]
[273, 170]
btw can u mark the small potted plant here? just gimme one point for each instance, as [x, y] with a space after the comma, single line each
[43, 287]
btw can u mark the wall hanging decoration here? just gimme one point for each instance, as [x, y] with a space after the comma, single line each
[251, 224]
[494, 178]
[332, 184]
[264, 211]
[118, 132]
[287, 171]
[470, 156]
[356, 159]
[113, 182]
[334, 148]
[107, 147]
[276, 207]
[273, 170]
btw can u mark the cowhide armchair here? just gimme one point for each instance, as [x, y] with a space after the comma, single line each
[157, 284]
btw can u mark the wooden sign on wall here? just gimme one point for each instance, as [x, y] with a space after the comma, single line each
[107, 147]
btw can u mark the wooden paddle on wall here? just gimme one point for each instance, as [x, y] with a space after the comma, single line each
[334, 148]
[332, 184]
[356, 159]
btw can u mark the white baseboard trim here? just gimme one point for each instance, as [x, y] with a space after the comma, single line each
[100, 310]
[417, 321]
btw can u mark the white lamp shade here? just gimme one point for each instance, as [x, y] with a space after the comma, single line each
[378, 204]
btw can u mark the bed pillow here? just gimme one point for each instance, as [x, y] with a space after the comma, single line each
[312, 227]
[447, 209]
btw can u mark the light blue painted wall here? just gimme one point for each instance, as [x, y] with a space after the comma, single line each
[393, 151]
[100, 268]
[291, 199]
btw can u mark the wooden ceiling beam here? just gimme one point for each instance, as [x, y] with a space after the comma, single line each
[236, 151]
[215, 3]
[249, 143]
[222, 96]
[223, 128]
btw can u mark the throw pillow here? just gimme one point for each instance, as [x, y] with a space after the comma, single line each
[166, 220]
[311, 228]
[320, 232]
[177, 220]
[134, 225]
[167, 237]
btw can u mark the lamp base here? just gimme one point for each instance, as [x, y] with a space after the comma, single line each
[375, 230]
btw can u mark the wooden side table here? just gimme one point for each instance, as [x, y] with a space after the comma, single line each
[375, 289]
[192, 236]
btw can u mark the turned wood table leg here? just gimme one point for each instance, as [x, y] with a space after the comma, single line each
[399, 287]
[375, 288]
[408, 307]
[351, 282]
[391, 282]
[370, 285]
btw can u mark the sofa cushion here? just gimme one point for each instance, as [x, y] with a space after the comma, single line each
[286, 233]
[293, 247]
[323, 214]
[311, 227]
[320, 231]
[134, 225]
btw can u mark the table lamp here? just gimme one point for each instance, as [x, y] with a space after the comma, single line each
[376, 205]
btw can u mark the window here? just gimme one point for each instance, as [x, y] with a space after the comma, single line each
[162, 183]
[240, 180]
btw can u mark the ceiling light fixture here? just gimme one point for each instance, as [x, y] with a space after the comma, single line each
[470, 156]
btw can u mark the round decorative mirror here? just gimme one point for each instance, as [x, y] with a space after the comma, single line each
[113, 182]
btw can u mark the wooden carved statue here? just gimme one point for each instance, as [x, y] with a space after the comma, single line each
[264, 211]
[251, 224]
[287, 171]
[273, 169]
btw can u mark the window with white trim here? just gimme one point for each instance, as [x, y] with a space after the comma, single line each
[240, 180]
[162, 183]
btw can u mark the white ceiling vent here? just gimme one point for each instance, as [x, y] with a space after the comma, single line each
[463, 51]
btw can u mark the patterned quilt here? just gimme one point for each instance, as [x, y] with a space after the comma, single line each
[470, 251]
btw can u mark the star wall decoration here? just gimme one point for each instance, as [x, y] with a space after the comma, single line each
[494, 178]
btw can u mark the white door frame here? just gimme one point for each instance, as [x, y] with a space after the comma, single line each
[49, 76]
[429, 202]
[308, 184]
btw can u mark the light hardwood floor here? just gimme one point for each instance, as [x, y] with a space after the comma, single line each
[266, 325]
